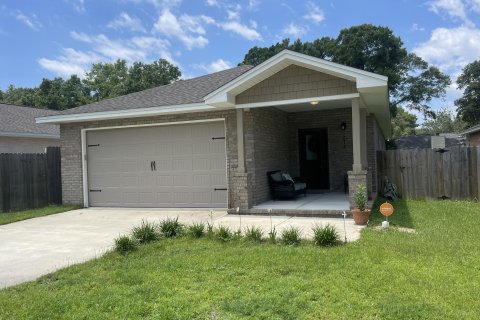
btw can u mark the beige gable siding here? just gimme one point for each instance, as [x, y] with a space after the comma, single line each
[296, 82]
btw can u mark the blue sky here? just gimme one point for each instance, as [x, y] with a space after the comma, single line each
[44, 39]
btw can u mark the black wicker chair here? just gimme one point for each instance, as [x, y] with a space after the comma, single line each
[282, 188]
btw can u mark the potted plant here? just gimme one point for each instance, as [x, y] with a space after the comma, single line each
[360, 212]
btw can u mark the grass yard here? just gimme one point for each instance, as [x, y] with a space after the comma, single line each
[432, 274]
[9, 217]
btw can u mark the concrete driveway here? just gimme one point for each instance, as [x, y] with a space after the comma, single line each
[31, 248]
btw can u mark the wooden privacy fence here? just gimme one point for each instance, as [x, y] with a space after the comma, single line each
[29, 180]
[432, 173]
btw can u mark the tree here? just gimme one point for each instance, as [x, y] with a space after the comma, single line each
[20, 96]
[412, 82]
[468, 106]
[143, 76]
[445, 122]
[404, 123]
[107, 80]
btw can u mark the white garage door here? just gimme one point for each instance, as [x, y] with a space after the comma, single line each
[159, 166]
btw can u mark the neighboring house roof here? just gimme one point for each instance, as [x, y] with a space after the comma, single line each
[17, 121]
[424, 141]
[472, 129]
[218, 90]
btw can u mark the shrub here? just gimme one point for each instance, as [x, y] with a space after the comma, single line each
[291, 236]
[125, 244]
[254, 234]
[210, 230]
[196, 230]
[224, 233]
[170, 227]
[326, 236]
[145, 233]
[272, 236]
[360, 197]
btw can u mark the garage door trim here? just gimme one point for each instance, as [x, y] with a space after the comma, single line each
[83, 136]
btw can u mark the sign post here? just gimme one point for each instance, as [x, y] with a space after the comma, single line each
[386, 209]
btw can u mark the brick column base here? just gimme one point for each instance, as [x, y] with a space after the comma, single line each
[239, 194]
[355, 178]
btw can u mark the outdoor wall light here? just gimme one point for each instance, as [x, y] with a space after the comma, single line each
[313, 103]
[343, 126]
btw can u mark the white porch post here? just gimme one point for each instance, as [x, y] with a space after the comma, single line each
[356, 136]
[363, 137]
[240, 142]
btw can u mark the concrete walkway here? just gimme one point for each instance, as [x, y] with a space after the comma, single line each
[31, 248]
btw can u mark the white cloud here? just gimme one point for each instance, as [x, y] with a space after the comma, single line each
[293, 30]
[30, 22]
[474, 5]
[103, 49]
[161, 4]
[241, 29]
[213, 3]
[253, 4]
[451, 49]
[124, 20]
[315, 14]
[70, 62]
[78, 5]
[453, 8]
[188, 29]
[215, 66]
[415, 27]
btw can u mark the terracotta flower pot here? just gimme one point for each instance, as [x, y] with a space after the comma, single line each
[360, 217]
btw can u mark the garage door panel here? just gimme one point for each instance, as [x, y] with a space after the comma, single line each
[188, 166]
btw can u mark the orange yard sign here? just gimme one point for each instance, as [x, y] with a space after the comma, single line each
[386, 209]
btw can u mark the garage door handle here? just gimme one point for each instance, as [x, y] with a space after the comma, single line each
[151, 165]
[154, 165]
[220, 189]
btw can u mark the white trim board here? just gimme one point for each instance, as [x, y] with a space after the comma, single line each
[83, 138]
[130, 113]
[297, 101]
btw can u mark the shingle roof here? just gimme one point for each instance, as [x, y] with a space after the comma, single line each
[472, 129]
[424, 141]
[178, 93]
[21, 120]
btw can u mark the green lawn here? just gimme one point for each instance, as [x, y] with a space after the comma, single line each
[432, 274]
[9, 217]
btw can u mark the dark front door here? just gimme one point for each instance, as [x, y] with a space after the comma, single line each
[314, 158]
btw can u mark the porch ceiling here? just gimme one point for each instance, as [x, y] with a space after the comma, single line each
[323, 105]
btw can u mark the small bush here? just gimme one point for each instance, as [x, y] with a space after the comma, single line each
[196, 230]
[326, 236]
[145, 233]
[272, 236]
[170, 227]
[210, 230]
[125, 244]
[254, 234]
[291, 236]
[224, 233]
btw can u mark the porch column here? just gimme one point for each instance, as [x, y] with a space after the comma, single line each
[358, 175]
[240, 142]
[363, 137]
[356, 135]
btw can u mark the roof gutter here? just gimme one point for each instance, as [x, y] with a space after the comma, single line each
[120, 114]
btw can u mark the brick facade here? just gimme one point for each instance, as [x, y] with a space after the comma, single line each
[271, 143]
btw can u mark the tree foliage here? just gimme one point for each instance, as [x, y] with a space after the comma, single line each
[444, 122]
[468, 106]
[102, 81]
[412, 82]
[404, 124]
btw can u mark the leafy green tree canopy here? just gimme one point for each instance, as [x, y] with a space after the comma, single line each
[444, 122]
[404, 124]
[412, 82]
[468, 106]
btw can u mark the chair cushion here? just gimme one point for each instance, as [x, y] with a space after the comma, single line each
[287, 177]
[300, 186]
[277, 176]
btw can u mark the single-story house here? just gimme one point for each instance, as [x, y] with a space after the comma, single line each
[472, 136]
[209, 141]
[19, 133]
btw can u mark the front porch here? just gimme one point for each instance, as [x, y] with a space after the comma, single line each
[327, 204]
